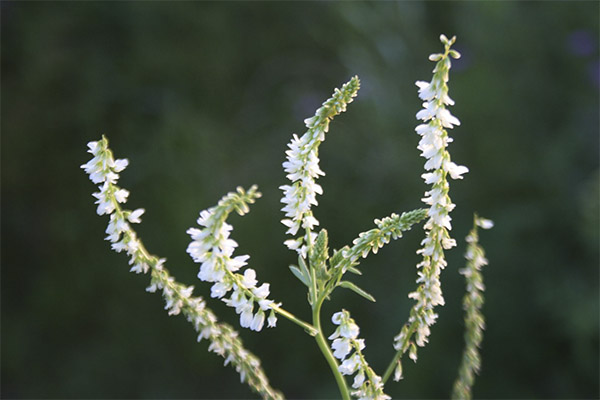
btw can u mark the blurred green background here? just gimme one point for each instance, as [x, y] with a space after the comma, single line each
[202, 97]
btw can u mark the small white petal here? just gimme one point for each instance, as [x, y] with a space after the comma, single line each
[485, 223]
[134, 217]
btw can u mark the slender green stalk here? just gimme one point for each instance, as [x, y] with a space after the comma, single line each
[324, 347]
[310, 329]
[392, 366]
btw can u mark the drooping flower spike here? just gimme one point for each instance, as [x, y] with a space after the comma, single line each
[213, 249]
[103, 169]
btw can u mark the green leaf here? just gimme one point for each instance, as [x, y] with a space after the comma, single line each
[299, 275]
[357, 290]
[303, 267]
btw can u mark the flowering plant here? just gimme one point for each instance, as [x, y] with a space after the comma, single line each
[319, 269]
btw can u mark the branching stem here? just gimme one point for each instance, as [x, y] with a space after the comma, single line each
[324, 347]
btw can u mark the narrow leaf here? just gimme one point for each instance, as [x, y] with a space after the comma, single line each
[303, 267]
[299, 275]
[357, 290]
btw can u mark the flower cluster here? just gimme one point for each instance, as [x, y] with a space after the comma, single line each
[368, 385]
[302, 168]
[433, 143]
[387, 228]
[472, 303]
[212, 247]
[103, 169]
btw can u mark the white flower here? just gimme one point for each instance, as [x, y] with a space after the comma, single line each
[485, 223]
[246, 316]
[220, 289]
[454, 170]
[134, 217]
[120, 165]
[272, 320]
[249, 278]
[262, 291]
[121, 195]
[337, 317]
[349, 330]
[341, 348]
[447, 119]
[359, 379]
[350, 365]
[258, 321]
[398, 371]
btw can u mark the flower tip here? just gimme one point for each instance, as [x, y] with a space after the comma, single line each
[485, 223]
[454, 54]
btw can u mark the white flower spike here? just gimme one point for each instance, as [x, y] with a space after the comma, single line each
[302, 168]
[368, 385]
[434, 141]
[213, 249]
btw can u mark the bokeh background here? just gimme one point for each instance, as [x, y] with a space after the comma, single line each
[202, 97]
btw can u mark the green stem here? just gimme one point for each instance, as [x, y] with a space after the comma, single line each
[320, 338]
[307, 327]
[399, 353]
[390, 368]
[310, 329]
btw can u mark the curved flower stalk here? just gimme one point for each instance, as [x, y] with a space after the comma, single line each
[212, 247]
[368, 384]
[302, 168]
[103, 169]
[372, 240]
[433, 144]
[347, 258]
[472, 303]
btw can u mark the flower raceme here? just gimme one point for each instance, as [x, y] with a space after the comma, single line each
[472, 303]
[213, 249]
[104, 169]
[368, 384]
[302, 168]
[433, 145]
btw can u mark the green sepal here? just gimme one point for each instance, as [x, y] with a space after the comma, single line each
[354, 270]
[357, 290]
[298, 274]
[338, 257]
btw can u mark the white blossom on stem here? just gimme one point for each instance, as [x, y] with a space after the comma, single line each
[302, 168]
[433, 145]
[368, 385]
[103, 169]
[212, 247]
